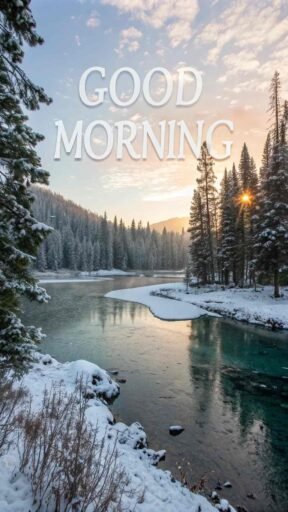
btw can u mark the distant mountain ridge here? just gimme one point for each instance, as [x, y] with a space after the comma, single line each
[175, 224]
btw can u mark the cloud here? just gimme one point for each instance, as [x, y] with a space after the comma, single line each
[77, 40]
[246, 26]
[176, 15]
[93, 21]
[168, 196]
[243, 62]
[129, 39]
[179, 32]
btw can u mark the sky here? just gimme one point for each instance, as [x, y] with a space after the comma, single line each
[236, 45]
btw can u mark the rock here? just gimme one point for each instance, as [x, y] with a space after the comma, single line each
[121, 381]
[176, 430]
[224, 506]
[89, 395]
[154, 457]
[240, 508]
[47, 360]
[251, 496]
[218, 486]
[114, 372]
[215, 497]
[227, 485]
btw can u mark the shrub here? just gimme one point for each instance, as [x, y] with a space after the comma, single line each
[70, 467]
[11, 398]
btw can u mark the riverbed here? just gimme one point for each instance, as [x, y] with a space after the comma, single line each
[223, 381]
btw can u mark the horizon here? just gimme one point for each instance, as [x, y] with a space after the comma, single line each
[216, 38]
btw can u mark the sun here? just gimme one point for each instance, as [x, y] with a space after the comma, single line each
[245, 198]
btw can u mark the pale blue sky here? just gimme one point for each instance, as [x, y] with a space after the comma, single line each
[237, 45]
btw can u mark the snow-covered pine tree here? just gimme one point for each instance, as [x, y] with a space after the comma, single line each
[265, 161]
[20, 233]
[199, 249]
[243, 222]
[208, 193]
[234, 187]
[251, 221]
[227, 229]
[271, 239]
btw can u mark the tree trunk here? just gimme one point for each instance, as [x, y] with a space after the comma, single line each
[276, 283]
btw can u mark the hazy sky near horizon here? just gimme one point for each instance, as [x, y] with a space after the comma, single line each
[236, 44]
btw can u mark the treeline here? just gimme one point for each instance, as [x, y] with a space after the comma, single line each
[82, 240]
[240, 234]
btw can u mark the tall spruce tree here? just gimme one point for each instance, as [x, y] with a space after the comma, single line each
[208, 193]
[236, 225]
[271, 239]
[20, 233]
[199, 249]
[227, 227]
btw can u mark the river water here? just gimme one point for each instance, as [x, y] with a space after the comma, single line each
[226, 383]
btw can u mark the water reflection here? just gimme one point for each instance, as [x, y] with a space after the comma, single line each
[241, 372]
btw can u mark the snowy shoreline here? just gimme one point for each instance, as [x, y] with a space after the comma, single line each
[171, 302]
[160, 491]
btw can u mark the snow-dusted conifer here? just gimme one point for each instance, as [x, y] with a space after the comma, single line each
[271, 240]
[20, 233]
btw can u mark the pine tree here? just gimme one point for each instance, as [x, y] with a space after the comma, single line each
[208, 193]
[199, 249]
[227, 227]
[271, 240]
[236, 226]
[265, 161]
[20, 233]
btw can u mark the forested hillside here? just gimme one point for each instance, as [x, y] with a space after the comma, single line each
[82, 240]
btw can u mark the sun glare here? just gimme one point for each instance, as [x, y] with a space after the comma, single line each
[246, 198]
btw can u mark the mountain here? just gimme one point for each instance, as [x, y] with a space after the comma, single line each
[175, 224]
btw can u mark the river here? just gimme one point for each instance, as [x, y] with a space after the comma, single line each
[225, 382]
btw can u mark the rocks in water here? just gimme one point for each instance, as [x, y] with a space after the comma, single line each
[218, 486]
[227, 484]
[176, 430]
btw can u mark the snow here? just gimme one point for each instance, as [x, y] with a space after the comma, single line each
[111, 272]
[161, 492]
[72, 280]
[171, 302]
[164, 308]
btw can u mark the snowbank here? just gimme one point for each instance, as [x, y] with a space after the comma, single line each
[170, 302]
[161, 492]
[162, 307]
[111, 272]
[72, 280]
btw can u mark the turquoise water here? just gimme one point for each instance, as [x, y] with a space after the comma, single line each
[225, 382]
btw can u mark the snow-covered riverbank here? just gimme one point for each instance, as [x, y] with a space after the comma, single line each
[158, 490]
[166, 309]
[171, 302]
[67, 276]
